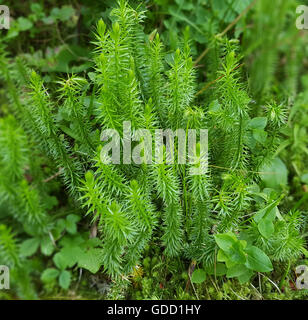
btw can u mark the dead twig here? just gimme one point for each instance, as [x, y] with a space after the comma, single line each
[54, 176]
[212, 82]
[230, 26]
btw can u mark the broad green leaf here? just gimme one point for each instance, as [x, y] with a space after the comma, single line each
[36, 8]
[185, 5]
[220, 269]
[91, 260]
[265, 220]
[266, 228]
[73, 218]
[89, 177]
[225, 241]
[221, 256]
[47, 246]
[260, 214]
[198, 276]
[24, 24]
[48, 20]
[12, 33]
[65, 279]
[94, 242]
[236, 253]
[257, 260]
[236, 271]
[29, 247]
[243, 243]
[245, 277]
[71, 221]
[70, 132]
[59, 228]
[304, 178]
[258, 123]
[73, 241]
[49, 275]
[230, 263]
[60, 260]
[268, 212]
[63, 14]
[71, 255]
[275, 175]
[260, 135]
[51, 202]
[214, 106]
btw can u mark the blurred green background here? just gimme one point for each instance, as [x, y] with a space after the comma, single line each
[55, 38]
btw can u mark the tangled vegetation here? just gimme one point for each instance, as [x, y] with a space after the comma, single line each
[73, 226]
